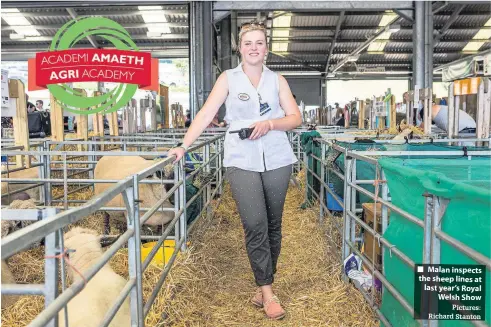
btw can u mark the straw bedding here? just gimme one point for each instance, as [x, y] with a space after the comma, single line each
[211, 284]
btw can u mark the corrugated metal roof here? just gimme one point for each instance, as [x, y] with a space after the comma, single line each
[299, 21]
[309, 47]
[362, 20]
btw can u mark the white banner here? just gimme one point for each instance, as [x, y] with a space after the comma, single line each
[5, 88]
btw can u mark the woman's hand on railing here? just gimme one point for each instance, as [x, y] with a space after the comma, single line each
[178, 152]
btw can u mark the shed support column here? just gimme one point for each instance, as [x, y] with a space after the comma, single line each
[418, 44]
[207, 28]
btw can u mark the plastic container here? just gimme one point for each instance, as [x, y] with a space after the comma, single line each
[332, 204]
[161, 257]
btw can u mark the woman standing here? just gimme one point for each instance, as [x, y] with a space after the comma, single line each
[258, 168]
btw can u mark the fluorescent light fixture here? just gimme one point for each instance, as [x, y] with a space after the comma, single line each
[143, 8]
[331, 75]
[353, 58]
[393, 28]
[481, 34]
[280, 46]
[386, 19]
[154, 34]
[154, 14]
[282, 21]
[282, 33]
[15, 36]
[18, 22]
[389, 29]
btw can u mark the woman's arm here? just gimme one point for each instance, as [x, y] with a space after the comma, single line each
[216, 98]
[293, 117]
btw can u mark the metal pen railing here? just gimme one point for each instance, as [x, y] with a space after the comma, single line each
[128, 188]
[435, 208]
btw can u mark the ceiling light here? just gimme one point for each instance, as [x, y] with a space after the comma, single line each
[142, 8]
[386, 19]
[153, 15]
[282, 21]
[481, 34]
[19, 23]
[353, 58]
[154, 34]
[281, 33]
[331, 75]
[280, 46]
[15, 36]
[393, 28]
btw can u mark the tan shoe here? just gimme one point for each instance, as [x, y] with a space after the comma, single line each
[273, 308]
[257, 299]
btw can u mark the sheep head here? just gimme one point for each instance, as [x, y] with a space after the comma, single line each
[85, 248]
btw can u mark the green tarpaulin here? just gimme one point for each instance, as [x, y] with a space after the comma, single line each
[467, 184]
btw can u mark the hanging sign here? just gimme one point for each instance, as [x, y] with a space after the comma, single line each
[380, 109]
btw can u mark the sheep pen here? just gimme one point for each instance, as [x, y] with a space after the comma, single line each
[211, 283]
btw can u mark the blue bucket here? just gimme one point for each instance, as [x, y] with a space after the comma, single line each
[332, 204]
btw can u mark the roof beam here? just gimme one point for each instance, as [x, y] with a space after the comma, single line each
[91, 39]
[294, 60]
[141, 46]
[104, 13]
[182, 36]
[364, 28]
[312, 5]
[406, 14]
[322, 40]
[333, 42]
[450, 21]
[127, 25]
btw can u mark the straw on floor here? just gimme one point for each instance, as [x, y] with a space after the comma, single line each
[211, 284]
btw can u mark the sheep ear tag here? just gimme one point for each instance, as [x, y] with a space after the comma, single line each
[243, 96]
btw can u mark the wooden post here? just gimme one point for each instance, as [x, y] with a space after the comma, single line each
[393, 113]
[483, 110]
[361, 115]
[21, 128]
[57, 123]
[164, 104]
[113, 123]
[82, 124]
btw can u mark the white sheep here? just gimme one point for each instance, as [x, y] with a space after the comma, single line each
[33, 193]
[119, 168]
[89, 307]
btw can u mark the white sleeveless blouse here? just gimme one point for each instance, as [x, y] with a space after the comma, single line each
[270, 151]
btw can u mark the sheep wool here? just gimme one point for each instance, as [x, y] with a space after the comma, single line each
[26, 173]
[149, 194]
[89, 307]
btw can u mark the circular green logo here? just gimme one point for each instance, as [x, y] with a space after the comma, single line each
[71, 33]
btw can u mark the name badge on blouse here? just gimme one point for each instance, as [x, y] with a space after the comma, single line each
[243, 96]
[263, 107]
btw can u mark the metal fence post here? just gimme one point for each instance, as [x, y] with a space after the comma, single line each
[347, 205]
[130, 197]
[323, 179]
[428, 229]
[220, 167]
[352, 199]
[207, 169]
[385, 214]
[182, 205]
[51, 248]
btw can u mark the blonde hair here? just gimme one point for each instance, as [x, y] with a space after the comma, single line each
[249, 27]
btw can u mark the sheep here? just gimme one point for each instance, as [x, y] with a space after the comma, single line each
[33, 193]
[109, 167]
[89, 307]
[7, 276]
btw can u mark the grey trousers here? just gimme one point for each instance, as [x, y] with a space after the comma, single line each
[260, 198]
